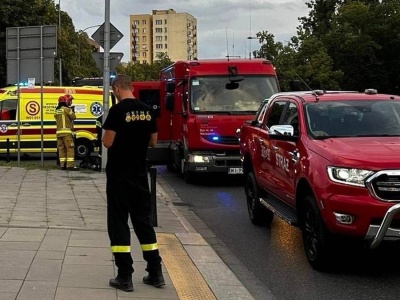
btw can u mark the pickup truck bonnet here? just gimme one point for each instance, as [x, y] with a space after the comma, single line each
[380, 152]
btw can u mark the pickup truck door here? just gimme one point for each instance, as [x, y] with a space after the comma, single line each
[266, 155]
[286, 157]
[255, 142]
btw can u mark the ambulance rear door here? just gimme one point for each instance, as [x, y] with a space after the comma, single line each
[8, 125]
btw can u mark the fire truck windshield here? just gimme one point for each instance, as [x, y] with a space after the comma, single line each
[213, 94]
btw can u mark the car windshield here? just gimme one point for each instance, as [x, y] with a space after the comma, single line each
[353, 118]
[216, 95]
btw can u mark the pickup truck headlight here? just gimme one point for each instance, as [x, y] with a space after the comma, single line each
[349, 176]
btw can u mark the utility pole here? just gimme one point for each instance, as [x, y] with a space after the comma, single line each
[106, 75]
[59, 34]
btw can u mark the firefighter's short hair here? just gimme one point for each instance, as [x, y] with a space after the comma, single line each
[123, 82]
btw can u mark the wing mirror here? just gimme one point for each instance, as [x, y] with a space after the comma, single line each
[284, 130]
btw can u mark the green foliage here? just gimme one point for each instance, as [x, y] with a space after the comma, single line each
[145, 72]
[304, 57]
[341, 44]
[73, 47]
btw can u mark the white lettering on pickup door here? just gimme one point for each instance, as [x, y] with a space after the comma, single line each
[282, 162]
[266, 153]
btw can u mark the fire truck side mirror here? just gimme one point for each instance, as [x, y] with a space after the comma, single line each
[170, 87]
[169, 102]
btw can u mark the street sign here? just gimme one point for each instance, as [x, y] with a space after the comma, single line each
[115, 58]
[115, 36]
[29, 50]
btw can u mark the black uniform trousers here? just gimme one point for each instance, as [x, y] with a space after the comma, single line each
[130, 196]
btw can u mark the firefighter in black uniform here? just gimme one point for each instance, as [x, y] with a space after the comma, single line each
[130, 128]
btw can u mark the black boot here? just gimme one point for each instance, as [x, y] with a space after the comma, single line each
[74, 168]
[154, 278]
[122, 283]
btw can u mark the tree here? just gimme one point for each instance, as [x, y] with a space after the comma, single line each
[304, 57]
[19, 13]
[362, 38]
[144, 71]
[45, 12]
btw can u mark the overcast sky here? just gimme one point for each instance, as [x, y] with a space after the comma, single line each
[222, 25]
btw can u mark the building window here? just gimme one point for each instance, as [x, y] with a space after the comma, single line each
[143, 22]
[159, 46]
[166, 46]
[165, 29]
[144, 61]
[143, 38]
[144, 54]
[158, 30]
[165, 21]
[165, 38]
[144, 30]
[136, 22]
[158, 38]
[158, 22]
[144, 47]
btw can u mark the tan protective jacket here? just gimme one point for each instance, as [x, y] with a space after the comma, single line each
[65, 121]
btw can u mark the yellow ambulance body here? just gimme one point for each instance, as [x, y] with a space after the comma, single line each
[34, 118]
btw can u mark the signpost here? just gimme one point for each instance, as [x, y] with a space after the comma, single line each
[115, 36]
[107, 36]
[114, 57]
[30, 55]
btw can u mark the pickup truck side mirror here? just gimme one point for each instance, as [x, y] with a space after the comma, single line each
[282, 132]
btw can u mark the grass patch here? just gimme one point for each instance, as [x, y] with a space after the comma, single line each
[30, 164]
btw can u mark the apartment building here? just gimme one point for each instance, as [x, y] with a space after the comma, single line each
[164, 31]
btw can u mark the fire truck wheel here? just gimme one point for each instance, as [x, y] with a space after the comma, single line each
[82, 148]
[258, 214]
[316, 239]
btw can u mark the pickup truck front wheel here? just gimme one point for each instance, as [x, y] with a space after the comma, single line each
[317, 240]
[258, 214]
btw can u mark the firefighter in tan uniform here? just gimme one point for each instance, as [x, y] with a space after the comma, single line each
[65, 117]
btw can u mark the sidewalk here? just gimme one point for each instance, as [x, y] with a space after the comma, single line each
[54, 244]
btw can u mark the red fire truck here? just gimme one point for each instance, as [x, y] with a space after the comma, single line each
[199, 105]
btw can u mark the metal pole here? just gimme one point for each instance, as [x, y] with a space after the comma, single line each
[80, 40]
[153, 176]
[18, 101]
[59, 33]
[8, 150]
[106, 75]
[41, 94]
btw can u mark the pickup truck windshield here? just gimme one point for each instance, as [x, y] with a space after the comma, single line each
[353, 118]
[212, 94]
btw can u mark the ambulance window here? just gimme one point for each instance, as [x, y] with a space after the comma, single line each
[8, 110]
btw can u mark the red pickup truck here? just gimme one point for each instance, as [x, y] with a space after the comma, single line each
[327, 162]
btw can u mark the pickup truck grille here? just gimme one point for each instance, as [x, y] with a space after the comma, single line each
[385, 185]
[226, 140]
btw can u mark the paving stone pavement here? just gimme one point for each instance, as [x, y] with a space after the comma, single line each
[54, 243]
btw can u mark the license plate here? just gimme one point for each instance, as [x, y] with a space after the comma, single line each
[235, 171]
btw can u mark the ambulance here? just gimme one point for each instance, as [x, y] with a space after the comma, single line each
[27, 121]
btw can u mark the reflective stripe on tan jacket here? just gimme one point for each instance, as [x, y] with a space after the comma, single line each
[65, 120]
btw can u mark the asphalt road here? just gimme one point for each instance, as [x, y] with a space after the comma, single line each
[270, 261]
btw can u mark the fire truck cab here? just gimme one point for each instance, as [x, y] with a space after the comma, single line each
[203, 103]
